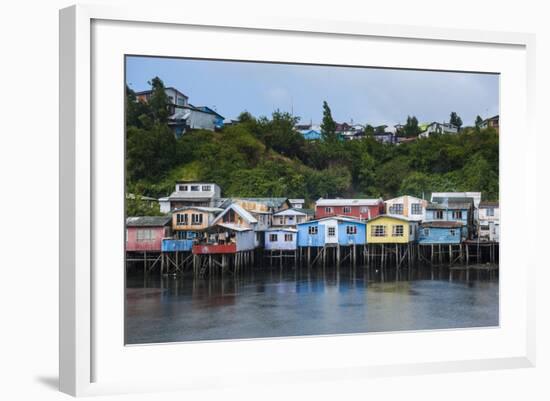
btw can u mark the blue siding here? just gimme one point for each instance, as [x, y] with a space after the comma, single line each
[360, 238]
[179, 245]
[448, 215]
[440, 235]
[305, 239]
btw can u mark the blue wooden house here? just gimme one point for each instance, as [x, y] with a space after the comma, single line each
[459, 210]
[332, 231]
[442, 232]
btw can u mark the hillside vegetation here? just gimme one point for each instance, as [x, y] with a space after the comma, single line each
[267, 157]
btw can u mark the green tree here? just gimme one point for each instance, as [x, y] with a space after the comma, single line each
[158, 101]
[456, 120]
[479, 121]
[328, 126]
[411, 128]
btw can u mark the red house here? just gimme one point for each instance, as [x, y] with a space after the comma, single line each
[362, 209]
[146, 233]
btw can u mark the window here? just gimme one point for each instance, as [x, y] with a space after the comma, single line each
[351, 230]
[426, 232]
[273, 237]
[416, 208]
[457, 214]
[182, 188]
[181, 220]
[312, 230]
[396, 208]
[195, 188]
[364, 210]
[288, 237]
[145, 235]
[490, 212]
[397, 230]
[182, 235]
[347, 209]
[453, 232]
[410, 229]
[378, 231]
[331, 231]
[328, 210]
[290, 219]
[196, 219]
[207, 188]
[438, 214]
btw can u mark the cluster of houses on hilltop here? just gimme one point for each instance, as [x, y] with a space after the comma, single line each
[183, 115]
[199, 220]
[389, 134]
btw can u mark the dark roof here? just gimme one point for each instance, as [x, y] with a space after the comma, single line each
[148, 221]
[442, 224]
[450, 203]
[484, 204]
[306, 211]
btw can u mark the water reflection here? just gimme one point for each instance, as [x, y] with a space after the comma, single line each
[291, 302]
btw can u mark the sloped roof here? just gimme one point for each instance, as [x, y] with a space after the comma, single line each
[148, 221]
[240, 211]
[292, 230]
[233, 227]
[199, 208]
[293, 211]
[442, 224]
[348, 202]
[338, 218]
[179, 195]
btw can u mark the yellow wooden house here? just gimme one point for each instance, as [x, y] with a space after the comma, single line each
[385, 229]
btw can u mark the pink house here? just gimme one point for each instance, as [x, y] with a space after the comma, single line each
[145, 233]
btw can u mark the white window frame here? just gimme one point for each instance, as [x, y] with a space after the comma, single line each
[313, 230]
[398, 230]
[331, 231]
[351, 230]
[378, 230]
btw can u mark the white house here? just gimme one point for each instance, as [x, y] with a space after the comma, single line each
[489, 221]
[407, 206]
[191, 193]
[284, 239]
[290, 217]
[437, 128]
[297, 203]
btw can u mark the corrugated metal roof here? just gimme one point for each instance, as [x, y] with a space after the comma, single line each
[269, 202]
[392, 216]
[233, 227]
[148, 221]
[240, 211]
[347, 202]
[177, 195]
[293, 211]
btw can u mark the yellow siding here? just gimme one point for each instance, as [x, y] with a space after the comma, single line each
[189, 226]
[388, 223]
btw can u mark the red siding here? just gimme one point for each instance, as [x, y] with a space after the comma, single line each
[132, 244]
[355, 212]
[211, 249]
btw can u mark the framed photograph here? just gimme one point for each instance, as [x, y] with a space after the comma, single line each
[292, 199]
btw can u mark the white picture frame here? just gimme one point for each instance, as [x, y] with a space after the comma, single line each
[89, 366]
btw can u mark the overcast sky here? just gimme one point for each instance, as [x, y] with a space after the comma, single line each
[364, 95]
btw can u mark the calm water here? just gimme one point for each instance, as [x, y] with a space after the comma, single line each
[306, 302]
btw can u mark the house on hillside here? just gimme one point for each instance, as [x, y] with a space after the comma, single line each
[436, 128]
[386, 229]
[407, 206]
[492, 122]
[331, 231]
[442, 197]
[362, 209]
[183, 115]
[385, 137]
[191, 193]
[145, 233]
[489, 221]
